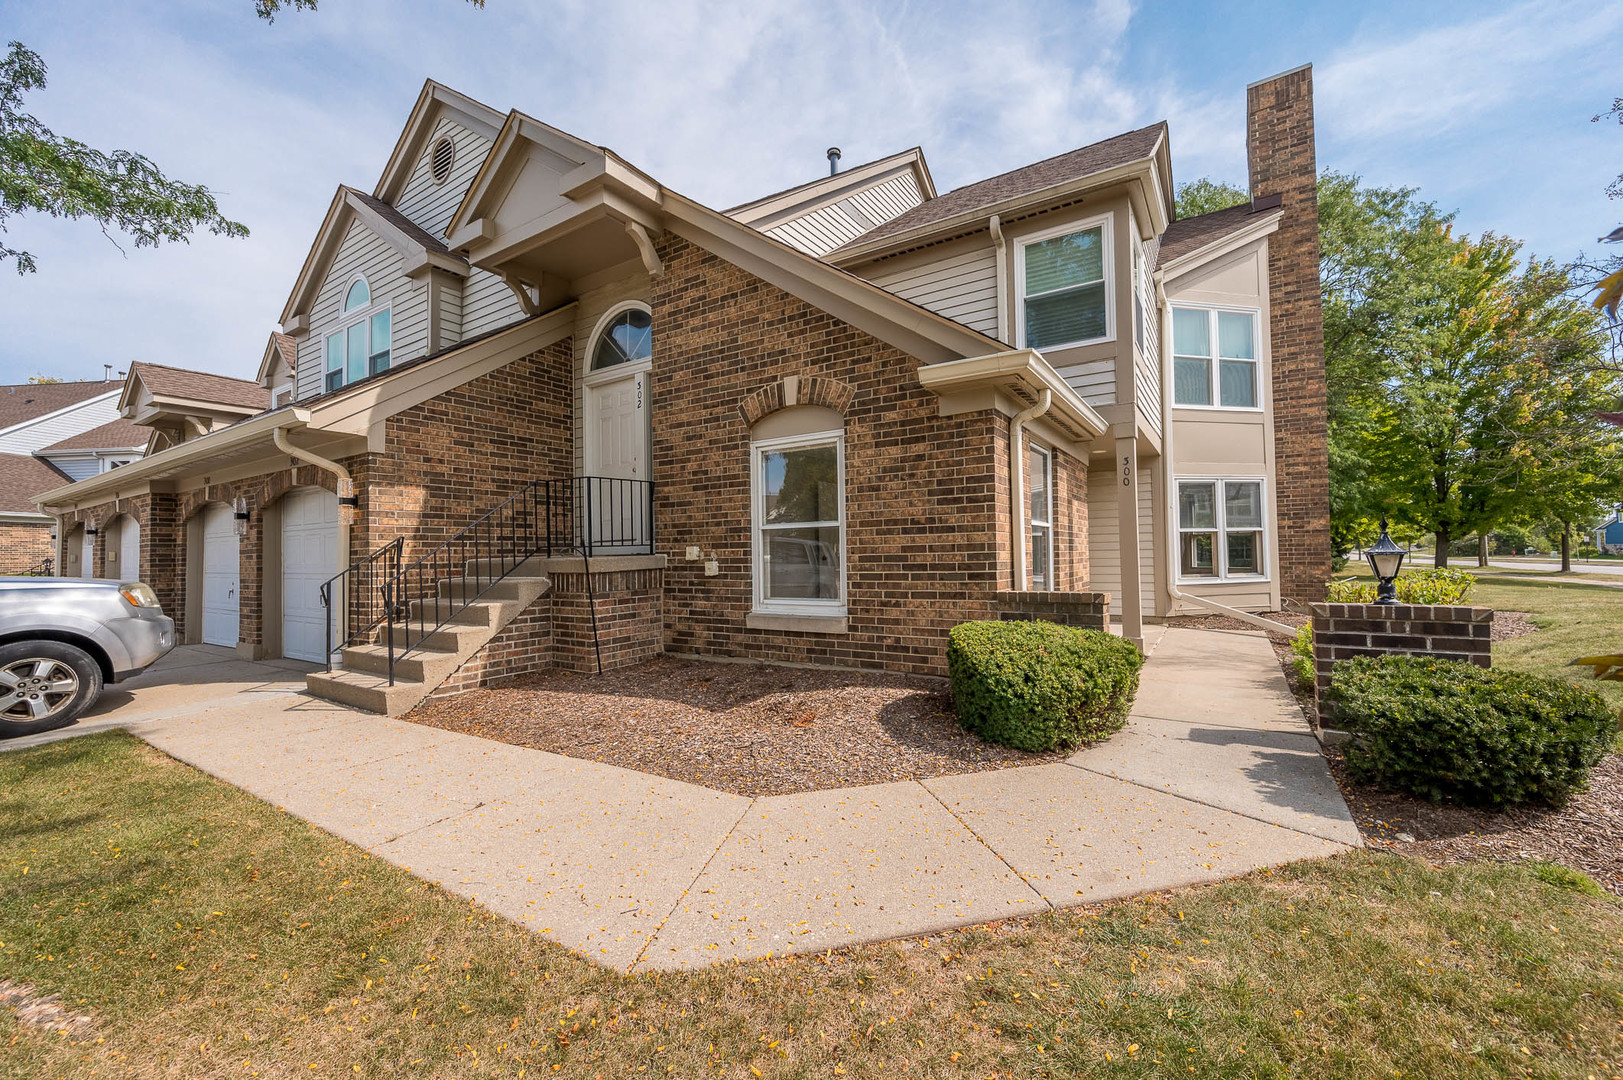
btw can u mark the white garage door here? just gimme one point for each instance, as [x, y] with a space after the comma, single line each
[221, 578]
[309, 557]
[129, 550]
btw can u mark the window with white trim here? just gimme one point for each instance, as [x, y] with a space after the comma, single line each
[1063, 281]
[1040, 515]
[1220, 530]
[361, 347]
[798, 496]
[1214, 358]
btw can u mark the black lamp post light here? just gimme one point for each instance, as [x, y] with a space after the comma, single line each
[1386, 559]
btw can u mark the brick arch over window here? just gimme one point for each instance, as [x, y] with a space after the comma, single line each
[793, 390]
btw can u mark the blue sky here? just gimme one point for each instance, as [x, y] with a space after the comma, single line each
[1485, 107]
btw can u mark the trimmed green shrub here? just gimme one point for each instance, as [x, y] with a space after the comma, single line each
[1037, 685]
[1440, 585]
[1445, 729]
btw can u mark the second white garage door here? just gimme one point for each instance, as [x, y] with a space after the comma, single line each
[222, 578]
[309, 557]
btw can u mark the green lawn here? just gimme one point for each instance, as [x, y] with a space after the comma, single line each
[208, 934]
[1574, 620]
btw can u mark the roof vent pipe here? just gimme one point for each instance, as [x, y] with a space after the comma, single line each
[833, 160]
[107, 373]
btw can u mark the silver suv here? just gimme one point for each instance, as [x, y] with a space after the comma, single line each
[62, 639]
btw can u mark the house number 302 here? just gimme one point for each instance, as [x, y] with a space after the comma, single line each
[1126, 470]
[639, 393]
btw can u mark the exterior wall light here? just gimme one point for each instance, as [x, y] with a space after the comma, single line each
[1386, 559]
[348, 504]
[239, 516]
[90, 526]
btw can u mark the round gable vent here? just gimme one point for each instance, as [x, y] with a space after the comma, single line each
[441, 158]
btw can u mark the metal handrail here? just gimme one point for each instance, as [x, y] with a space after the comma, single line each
[43, 568]
[358, 582]
[583, 513]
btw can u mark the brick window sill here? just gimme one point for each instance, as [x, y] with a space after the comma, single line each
[806, 624]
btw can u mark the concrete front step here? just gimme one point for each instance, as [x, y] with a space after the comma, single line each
[486, 612]
[419, 665]
[480, 588]
[364, 690]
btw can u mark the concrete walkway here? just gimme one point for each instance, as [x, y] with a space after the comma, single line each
[1216, 774]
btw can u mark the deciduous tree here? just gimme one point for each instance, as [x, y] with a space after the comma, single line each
[1206, 195]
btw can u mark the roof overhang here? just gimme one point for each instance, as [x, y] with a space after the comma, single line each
[1012, 381]
[434, 99]
[267, 363]
[1148, 181]
[24, 517]
[1266, 224]
[347, 206]
[775, 209]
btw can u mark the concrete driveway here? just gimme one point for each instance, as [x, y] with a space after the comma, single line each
[1216, 774]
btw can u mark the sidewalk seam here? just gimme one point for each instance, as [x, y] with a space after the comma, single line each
[987, 845]
[654, 933]
[1214, 806]
[427, 825]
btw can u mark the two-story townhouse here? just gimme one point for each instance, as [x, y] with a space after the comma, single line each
[534, 407]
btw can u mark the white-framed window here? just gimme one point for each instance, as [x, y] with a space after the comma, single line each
[797, 495]
[1040, 515]
[1064, 281]
[1221, 530]
[360, 348]
[1214, 358]
[624, 336]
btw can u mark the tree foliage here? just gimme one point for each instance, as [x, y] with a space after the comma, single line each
[124, 192]
[268, 9]
[1463, 379]
[1205, 195]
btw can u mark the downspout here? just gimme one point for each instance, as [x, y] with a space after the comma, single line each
[1174, 553]
[1017, 484]
[347, 503]
[995, 227]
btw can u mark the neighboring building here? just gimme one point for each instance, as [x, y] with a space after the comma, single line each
[832, 423]
[1609, 537]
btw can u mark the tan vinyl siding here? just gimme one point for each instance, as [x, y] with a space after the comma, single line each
[1104, 539]
[1095, 381]
[884, 201]
[828, 227]
[366, 254]
[429, 204]
[450, 315]
[961, 285]
[1147, 382]
[487, 304]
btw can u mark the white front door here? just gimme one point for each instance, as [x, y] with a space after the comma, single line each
[617, 449]
[222, 581]
[309, 558]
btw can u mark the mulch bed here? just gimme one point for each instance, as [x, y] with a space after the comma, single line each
[751, 729]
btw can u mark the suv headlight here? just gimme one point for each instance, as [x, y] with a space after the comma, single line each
[139, 595]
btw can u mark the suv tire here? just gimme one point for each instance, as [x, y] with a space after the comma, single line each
[45, 685]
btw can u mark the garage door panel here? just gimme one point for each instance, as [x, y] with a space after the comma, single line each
[309, 558]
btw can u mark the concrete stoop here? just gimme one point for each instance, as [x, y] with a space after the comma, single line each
[363, 681]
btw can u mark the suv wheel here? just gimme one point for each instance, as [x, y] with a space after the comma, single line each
[44, 685]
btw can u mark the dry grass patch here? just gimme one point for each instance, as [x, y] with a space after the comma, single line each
[209, 934]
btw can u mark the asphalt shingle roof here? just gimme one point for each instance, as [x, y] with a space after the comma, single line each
[21, 478]
[29, 400]
[113, 436]
[1193, 233]
[201, 386]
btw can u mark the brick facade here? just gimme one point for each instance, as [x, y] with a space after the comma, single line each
[926, 496]
[1085, 610]
[1279, 125]
[24, 546]
[1343, 631]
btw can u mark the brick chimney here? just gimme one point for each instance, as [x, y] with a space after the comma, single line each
[1279, 149]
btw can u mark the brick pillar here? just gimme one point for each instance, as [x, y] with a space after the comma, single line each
[1279, 147]
[1444, 632]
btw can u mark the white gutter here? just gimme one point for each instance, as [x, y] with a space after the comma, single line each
[1167, 426]
[1017, 486]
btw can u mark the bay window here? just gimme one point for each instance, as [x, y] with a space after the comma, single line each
[1220, 530]
[1040, 514]
[1063, 279]
[798, 497]
[1214, 358]
[361, 348]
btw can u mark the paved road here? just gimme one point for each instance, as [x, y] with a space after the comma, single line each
[1216, 774]
[1578, 566]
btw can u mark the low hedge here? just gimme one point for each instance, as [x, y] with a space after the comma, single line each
[1439, 585]
[1444, 729]
[1037, 685]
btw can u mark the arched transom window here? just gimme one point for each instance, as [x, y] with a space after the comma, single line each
[627, 337]
[359, 295]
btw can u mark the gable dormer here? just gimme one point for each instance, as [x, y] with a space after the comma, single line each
[277, 367]
[437, 156]
[834, 210]
[180, 405]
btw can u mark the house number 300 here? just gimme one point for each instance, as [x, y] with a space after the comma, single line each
[1126, 471]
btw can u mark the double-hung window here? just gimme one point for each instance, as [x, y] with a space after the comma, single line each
[360, 348]
[1214, 358]
[1220, 530]
[1064, 291]
[799, 524]
[1040, 502]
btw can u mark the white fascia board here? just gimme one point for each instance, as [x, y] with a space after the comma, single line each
[193, 450]
[433, 100]
[1224, 245]
[1025, 366]
[24, 425]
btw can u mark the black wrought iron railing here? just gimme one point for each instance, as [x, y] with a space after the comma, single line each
[43, 568]
[589, 515]
[356, 598]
